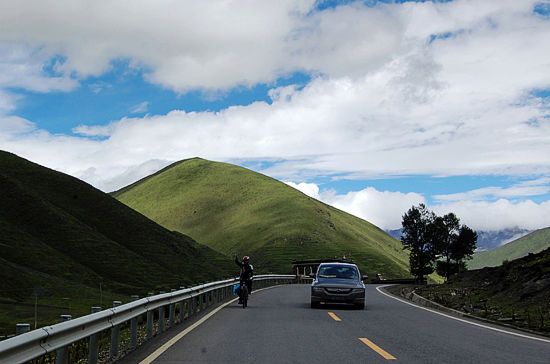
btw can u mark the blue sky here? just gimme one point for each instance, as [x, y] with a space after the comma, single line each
[116, 93]
[353, 101]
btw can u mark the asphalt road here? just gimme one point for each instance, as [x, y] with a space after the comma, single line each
[279, 327]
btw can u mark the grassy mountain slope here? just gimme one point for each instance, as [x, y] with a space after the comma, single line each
[531, 243]
[517, 292]
[235, 210]
[62, 237]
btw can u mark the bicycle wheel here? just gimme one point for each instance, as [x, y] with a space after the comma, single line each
[245, 296]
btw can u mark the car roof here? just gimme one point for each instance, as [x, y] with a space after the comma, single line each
[339, 264]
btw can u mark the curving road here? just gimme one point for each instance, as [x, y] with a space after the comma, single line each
[279, 327]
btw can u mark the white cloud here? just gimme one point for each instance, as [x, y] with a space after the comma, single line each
[93, 131]
[206, 44]
[386, 208]
[310, 189]
[22, 66]
[382, 208]
[386, 101]
[535, 187]
[14, 126]
[499, 214]
[140, 108]
[133, 173]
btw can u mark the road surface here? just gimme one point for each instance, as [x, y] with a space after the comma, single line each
[280, 327]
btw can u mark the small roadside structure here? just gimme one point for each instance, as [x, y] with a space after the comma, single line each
[306, 267]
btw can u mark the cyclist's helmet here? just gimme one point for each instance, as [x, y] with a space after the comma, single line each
[246, 258]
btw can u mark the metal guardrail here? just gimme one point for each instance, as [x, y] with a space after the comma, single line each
[39, 342]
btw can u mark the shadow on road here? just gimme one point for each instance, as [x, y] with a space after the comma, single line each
[335, 306]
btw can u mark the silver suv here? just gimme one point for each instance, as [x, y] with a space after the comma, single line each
[338, 283]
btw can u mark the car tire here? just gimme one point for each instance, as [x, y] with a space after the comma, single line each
[315, 304]
[359, 306]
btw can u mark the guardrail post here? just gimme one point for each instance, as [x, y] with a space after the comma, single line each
[182, 311]
[182, 307]
[93, 346]
[134, 327]
[150, 315]
[115, 333]
[172, 313]
[22, 328]
[62, 354]
[161, 316]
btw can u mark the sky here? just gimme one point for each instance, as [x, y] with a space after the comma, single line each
[370, 106]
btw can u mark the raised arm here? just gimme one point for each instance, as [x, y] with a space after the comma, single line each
[238, 263]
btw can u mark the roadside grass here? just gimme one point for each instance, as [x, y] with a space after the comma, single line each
[237, 211]
[517, 292]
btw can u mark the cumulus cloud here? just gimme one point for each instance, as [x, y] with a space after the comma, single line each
[23, 66]
[397, 89]
[382, 208]
[386, 208]
[500, 214]
[310, 189]
[14, 126]
[206, 44]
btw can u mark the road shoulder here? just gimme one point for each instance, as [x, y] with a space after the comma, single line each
[425, 304]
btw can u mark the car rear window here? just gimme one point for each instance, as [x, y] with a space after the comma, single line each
[332, 271]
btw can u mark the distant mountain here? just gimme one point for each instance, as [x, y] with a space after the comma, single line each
[396, 233]
[489, 240]
[533, 242]
[60, 237]
[235, 210]
[486, 240]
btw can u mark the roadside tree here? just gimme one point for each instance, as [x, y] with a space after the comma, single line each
[418, 237]
[454, 244]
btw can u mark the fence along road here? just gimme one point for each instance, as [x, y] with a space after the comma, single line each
[279, 327]
[172, 307]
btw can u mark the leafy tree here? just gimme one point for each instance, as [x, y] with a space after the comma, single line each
[447, 231]
[465, 247]
[454, 243]
[418, 237]
[435, 240]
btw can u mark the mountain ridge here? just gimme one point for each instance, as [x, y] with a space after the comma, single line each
[235, 210]
[534, 242]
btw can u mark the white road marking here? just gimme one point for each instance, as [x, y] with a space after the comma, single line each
[152, 357]
[459, 319]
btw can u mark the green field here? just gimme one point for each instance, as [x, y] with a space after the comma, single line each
[74, 246]
[531, 243]
[237, 211]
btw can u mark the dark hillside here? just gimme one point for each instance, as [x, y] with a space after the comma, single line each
[57, 232]
[517, 292]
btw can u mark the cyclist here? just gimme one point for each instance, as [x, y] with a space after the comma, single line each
[247, 271]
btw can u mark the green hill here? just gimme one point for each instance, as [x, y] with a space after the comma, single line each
[531, 243]
[61, 238]
[235, 210]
